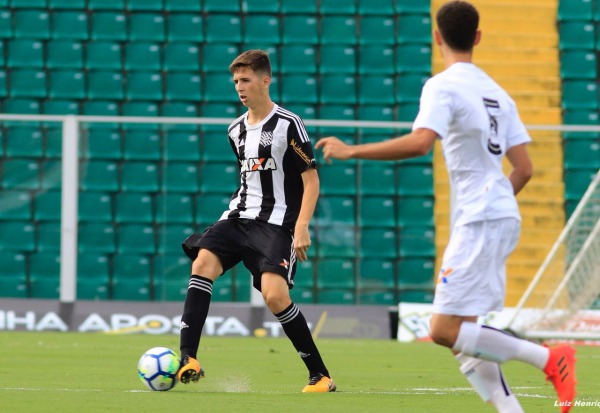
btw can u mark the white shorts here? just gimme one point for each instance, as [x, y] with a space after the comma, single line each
[472, 279]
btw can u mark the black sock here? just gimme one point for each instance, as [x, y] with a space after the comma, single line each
[194, 315]
[295, 327]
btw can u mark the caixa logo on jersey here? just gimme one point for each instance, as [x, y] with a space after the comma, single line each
[258, 164]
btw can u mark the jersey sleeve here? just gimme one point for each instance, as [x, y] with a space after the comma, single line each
[435, 109]
[301, 147]
[516, 133]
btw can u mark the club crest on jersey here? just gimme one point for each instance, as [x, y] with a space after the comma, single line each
[258, 164]
[266, 138]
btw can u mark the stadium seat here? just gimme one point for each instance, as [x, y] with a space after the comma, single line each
[337, 89]
[414, 28]
[413, 58]
[415, 210]
[185, 27]
[219, 110]
[15, 205]
[23, 141]
[44, 275]
[92, 277]
[96, 238]
[377, 242]
[51, 171]
[416, 272]
[301, 295]
[95, 206]
[409, 86]
[577, 181]
[299, 29]
[378, 7]
[376, 273]
[377, 297]
[181, 145]
[171, 275]
[47, 206]
[171, 236]
[217, 57]
[147, 27]
[377, 211]
[101, 144]
[335, 240]
[216, 147]
[209, 208]
[31, 24]
[376, 178]
[53, 140]
[578, 64]
[144, 86]
[133, 208]
[580, 94]
[336, 112]
[223, 28]
[14, 286]
[99, 176]
[338, 30]
[46, 235]
[580, 117]
[181, 56]
[179, 110]
[20, 174]
[260, 27]
[17, 236]
[3, 87]
[123, 288]
[21, 106]
[337, 7]
[581, 153]
[376, 30]
[64, 54]
[142, 56]
[212, 6]
[106, 4]
[576, 35]
[337, 179]
[336, 296]
[335, 273]
[182, 6]
[135, 267]
[424, 295]
[27, 83]
[412, 6]
[376, 89]
[103, 55]
[105, 85]
[376, 59]
[407, 112]
[180, 177]
[335, 59]
[139, 177]
[109, 26]
[70, 25]
[336, 210]
[378, 113]
[304, 277]
[415, 180]
[60, 107]
[298, 7]
[25, 53]
[145, 5]
[575, 10]
[141, 144]
[299, 89]
[174, 208]
[219, 88]
[298, 59]
[136, 239]
[66, 84]
[417, 241]
[183, 86]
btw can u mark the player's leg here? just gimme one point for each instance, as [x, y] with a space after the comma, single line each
[275, 291]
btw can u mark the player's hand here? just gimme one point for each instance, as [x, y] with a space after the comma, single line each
[334, 148]
[301, 243]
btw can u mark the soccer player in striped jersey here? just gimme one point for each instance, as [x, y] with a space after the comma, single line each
[266, 224]
[477, 124]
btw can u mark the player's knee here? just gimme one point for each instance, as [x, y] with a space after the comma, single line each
[205, 267]
[276, 302]
[443, 337]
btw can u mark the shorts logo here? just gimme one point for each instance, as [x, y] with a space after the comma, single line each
[258, 164]
[266, 138]
[444, 274]
[285, 264]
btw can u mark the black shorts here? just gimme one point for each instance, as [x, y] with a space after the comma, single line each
[263, 247]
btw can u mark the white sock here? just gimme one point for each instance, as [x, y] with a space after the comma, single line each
[490, 344]
[488, 381]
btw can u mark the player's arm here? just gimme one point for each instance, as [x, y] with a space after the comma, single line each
[522, 168]
[310, 180]
[417, 143]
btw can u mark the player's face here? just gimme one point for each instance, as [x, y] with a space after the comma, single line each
[250, 87]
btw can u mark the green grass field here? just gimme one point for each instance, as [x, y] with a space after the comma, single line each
[68, 372]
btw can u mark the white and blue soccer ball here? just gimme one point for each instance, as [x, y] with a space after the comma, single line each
[158, 367]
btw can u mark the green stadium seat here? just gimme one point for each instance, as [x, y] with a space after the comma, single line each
[70, 25]
[66, 4]
[21, 106]
[181, 145]
[416, 272]
[335, 59]
[142, 56]
[109, 26]
[3, 88]
[377, 211]
[105, 85]
[184, 27]
[181, 56]
[31, 24]
[212, 6]
[376, 89]
[64, 54]
[101, 144]
[259, 27]
[171, 275]
[376, 273]
[171, 236]
[380, 7]
[412, 6]
[145, 5]
[415, 180]
[577, 181]
[376, 59]
[416, 296]
[47, 234]
[337, 89]
[377, 178]
[580, 94]
[378, 113]
[337, 7]
[97, 175]
[414, 28]
[181, 177]
[141, 144]
[417, 241]
[335, 273]
[183, 86]
[15, 205]
[260, 6]
[106, 4]
[407, 112]
[51, 172]
[580, 117]
[6, 24]
[92, 277]
[219, 88]
[13, 286]
[575, 10]
[302, 295]
[218, 56]
[336, 112]
[578, 64]
[174, 208]
[377, 242]
[209, 208]
[53, 142]
[139, 177]
[336, 296]
[179, 110]
[219, 110]
[338, 30]
[299, 89]
[127, 289]
[23, 141]
[337, 179]
[223, 28]
[182, 6]
[216, 147]
[103, 55]
[415, 210]
[305, 274]
[298, 7]
[335, 240]
[136, 239]
[133, 208]
[413, 58]
[25, 53]
[576, 35]
[60, 107]
[44, 275]
[26, 4]
[134, 267]
[298, 59]
[336, 210]
[377, 30]
[17, 236]
[95, 206]
[377, 297]
[140, 108]
[147, 27]
[27, 83]
[21, 174]
[409, 86]
[2, 52]
[96, 238]
[299, 29]
[66, 84]
[144, 86]
[581, 153]
[47, 206]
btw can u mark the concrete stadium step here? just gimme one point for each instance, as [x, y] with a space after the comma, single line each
[524, 84]
[515, 53]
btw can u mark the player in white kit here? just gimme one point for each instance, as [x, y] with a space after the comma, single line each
[477, 124]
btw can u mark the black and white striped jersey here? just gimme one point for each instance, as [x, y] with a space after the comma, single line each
[272, 155]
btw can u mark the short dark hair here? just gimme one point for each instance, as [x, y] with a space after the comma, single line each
[257, 60]
[458, 22]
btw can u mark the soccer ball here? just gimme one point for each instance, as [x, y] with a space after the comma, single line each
[158, 367]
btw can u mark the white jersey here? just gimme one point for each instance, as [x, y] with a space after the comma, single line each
[477, 123]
